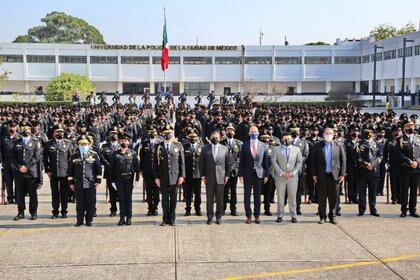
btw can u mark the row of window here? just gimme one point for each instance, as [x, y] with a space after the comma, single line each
[391, 54]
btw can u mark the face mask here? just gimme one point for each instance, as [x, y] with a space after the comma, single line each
[409, 131]
[12, 130]
[167, 136]
[25, 134]
[229, 135]
[152, 135]
[84, 149]
[328, 138]
[193, 140]
[59, 136]
[294, 134]
[214, 141]
[254, 136]
[313, 134]
[114, 137]
[123, 145]
[287, 143]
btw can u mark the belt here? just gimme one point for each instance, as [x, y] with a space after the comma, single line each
[126, 174]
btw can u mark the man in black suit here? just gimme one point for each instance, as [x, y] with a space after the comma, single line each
[253, 171]
[329, 170]
[214, 170]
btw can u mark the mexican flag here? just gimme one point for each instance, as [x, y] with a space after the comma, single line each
[164, 61]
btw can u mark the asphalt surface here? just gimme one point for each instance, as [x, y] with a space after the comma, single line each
[366, 247]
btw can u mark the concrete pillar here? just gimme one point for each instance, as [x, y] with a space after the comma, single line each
[152, 87]
[299, 87]
[382, 86]
[396, 85]
[57, 63]
[370, 90]
[27, 87]
[120, 86]
[181, 87]
[413, 85]
[357, 87]
[212, 86]
[327, 87]
[88, 68]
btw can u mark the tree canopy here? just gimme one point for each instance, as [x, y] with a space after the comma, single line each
[61, 88]
[59, 27]
[386, 30]
[316, 44]
[3, 74]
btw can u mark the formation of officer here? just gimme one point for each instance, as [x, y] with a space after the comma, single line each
[308, 154]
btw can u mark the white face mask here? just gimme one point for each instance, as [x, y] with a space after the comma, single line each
[328, 138]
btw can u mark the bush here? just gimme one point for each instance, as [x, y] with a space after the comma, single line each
[61, 88]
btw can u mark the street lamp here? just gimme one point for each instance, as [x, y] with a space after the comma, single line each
[405, 41]
[375, 48]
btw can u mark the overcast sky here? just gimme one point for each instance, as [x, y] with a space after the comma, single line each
[227, 22]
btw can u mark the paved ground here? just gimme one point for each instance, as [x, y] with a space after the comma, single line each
[357, 248]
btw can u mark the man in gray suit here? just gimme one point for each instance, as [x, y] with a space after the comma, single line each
[286, 162]
[214, 170]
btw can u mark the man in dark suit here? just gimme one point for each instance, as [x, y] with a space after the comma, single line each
[329, 170]
[253, 170]
[214, 169]
[169, 172]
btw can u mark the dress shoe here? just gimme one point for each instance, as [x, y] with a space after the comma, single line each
[248, 220]
[279, 220]
[257, 220]
[198, 213]
[375, 214]
[19, 217]
[11, 201]
[128, 222]
[234, 213]
[415, 215]
[268, 213]
[172, 223]
[155, 213]
[333, 221]
[89, 224]
[321, 221]
[338, 214]
[54, 216]
[294, 220]
[209, 222]
[298, 212]
[309, 202]
[113, 214]
[218, 221]
[34, 217]
[64, 216]
[163, 224]
[121, 222]
[95, 215]
[78, 224]
[149, 213]
[188, 213]
[403, 215]
[394, 202]
[360, 214]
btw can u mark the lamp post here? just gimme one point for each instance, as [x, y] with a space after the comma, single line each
[375, 48]
[405, 41]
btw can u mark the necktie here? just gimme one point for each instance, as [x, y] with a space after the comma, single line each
[214, 152]
[287, 153]
[254, 149]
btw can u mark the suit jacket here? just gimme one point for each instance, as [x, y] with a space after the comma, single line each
[247, 164]
[192, 160]
[234, 155]
[408, 152]
[215, 171]
[280, 164]
[29, 156]
[169, 165]
[338, 160]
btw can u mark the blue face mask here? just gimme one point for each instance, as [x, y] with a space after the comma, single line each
[84, 149]
[254, 136]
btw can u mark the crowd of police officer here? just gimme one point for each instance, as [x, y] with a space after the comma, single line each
[78, 145]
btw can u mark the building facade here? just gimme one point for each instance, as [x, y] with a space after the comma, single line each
[344, 67]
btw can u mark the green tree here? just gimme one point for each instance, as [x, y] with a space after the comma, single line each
[62, 88]
[3, 75]
[317, 44]
[386, 30]
[59, 27]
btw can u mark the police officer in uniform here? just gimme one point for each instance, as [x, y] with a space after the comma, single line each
[408, 149]
[57, 153]
[84, 176]
[369, 157]
[351, 156]
[106, 153]
[192, 151]
[234, 148]
[169, 172]
[26, 155]
[146, 151]
[268, 186]
[124, 164]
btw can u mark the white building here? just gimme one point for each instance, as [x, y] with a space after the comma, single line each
[344, 67]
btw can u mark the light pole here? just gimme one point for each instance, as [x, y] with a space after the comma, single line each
[375, 51]
[405, 41]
